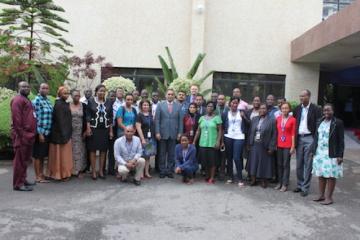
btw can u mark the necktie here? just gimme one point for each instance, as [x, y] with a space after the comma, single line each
[170, 107]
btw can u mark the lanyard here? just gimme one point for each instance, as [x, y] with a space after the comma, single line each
[261, 120]
[283, 123]
[184, 152]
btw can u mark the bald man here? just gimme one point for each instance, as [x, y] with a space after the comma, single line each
[127, 152]
[23, 132]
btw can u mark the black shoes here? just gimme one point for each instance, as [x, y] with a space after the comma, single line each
[136, 182]
[297, 190]
[170, 175]
[23, 188]
[304, 193]
[27, 183]
[161, 175]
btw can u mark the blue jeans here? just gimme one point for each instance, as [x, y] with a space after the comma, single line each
[234, 151]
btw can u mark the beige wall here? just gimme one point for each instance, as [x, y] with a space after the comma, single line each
[251, 36]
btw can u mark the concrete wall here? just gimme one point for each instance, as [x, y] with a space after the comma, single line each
[251, 36]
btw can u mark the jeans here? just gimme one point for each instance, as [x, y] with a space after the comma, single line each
[234, 151]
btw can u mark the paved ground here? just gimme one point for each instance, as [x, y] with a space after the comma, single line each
[167, 209]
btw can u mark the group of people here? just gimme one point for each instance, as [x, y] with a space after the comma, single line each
[185, 135]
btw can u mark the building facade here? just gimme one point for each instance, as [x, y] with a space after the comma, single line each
[247, 42]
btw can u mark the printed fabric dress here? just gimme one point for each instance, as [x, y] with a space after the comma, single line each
[323, 165]
[79, 149]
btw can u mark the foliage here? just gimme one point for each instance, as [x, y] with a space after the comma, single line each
[33, 30]
[293, 104]
[119, 82]
[181, 84]
[5, 120]
[83, 68]
[171, 75]
[6, 93]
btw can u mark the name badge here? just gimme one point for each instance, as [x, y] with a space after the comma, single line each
[34, 114]
[101, 119]
[149, 134]
[283, 138]
[257, 136]
[191, 133]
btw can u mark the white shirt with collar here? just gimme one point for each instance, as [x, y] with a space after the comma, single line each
[116, 105]
[125, 151]
[303, 126]
[84, 100]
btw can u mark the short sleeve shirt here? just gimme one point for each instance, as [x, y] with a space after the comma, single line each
[209, 130]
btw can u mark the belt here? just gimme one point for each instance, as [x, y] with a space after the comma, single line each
[305, 135]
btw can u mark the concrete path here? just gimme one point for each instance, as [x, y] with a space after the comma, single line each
[167, 209]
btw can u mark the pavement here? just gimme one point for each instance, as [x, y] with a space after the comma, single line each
[167, 209]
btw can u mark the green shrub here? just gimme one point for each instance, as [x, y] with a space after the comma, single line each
[119, 82]
[5, 120]
[6, 93]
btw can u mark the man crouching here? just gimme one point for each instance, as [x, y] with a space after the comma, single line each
[127, 152]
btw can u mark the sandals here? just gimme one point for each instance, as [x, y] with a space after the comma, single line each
[42, 181]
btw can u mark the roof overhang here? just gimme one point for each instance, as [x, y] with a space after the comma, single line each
[334, 43]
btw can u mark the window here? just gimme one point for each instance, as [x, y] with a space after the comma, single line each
[333, 6]
[143, 78]
[250, 84]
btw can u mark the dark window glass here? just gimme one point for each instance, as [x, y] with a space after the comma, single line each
[143, 78]
[331, 7]
[250, 84]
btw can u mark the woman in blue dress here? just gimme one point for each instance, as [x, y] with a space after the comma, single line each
[126, 115]
[328, 151]
[185, 157]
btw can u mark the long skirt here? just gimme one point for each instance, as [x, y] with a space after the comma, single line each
[260, 162]
[60, 161]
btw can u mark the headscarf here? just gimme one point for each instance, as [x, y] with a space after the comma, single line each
[61, 90]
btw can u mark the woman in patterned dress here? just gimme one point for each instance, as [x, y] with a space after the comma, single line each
[328, 148]
[78, 133]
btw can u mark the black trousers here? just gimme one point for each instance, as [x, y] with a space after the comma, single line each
[283, 165]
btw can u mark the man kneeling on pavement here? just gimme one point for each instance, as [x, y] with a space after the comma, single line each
[127, 152]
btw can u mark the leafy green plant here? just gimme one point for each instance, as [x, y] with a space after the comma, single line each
[33, 31]
[172, 79]
[6, 93]
[119, 82]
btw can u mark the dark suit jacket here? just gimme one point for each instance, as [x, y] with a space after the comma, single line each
[336, 138]
[169, 125]
[268, 132]
[313, 115]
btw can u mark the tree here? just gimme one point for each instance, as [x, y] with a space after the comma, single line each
[83, 68]
[36, 28]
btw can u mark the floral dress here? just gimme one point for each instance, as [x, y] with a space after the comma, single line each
[79, 149]
[323, 165]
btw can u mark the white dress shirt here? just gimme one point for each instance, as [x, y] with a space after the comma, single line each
[303, 126]
[116, 105]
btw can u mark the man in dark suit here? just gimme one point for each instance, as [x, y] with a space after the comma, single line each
[168, 128]
[200, 102]
[306, 115]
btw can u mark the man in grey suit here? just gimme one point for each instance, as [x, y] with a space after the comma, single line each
[168, 128]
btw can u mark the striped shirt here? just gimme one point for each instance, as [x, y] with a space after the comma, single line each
[43, 110]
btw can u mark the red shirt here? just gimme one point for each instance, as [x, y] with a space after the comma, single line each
[285, 134]
[190, 124]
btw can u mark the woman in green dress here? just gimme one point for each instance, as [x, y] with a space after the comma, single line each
[328, 151]
[209, 135]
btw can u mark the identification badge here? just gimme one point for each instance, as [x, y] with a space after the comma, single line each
[149, 134]
[101, 119]
[34, 114]
[257, 136]
[283, 138]
[191, 133]
[233, 129]
[206, 133]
